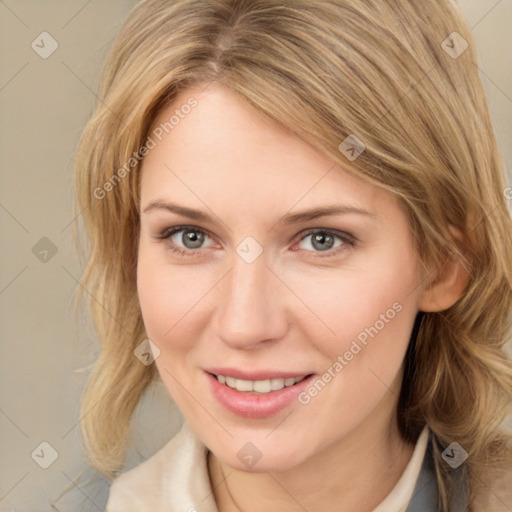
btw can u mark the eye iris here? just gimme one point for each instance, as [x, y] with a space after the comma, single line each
[321, 238]
[194, 237]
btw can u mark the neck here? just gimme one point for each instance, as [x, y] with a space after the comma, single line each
[356, 473]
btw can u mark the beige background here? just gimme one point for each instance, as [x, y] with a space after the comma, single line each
[45, 104]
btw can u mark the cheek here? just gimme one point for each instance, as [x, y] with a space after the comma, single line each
[372, 315]
[167, 300]
[153, 299]
[373, 304]
[168, 296]
[156, 297]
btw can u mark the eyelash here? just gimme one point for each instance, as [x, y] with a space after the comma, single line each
[347, 239]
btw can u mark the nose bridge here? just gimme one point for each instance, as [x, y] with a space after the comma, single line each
[247, 312]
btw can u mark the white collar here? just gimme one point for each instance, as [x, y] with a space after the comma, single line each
[176, 479]
[401, 494]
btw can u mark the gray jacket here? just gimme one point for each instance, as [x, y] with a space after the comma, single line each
[425, 496]
[494, 495]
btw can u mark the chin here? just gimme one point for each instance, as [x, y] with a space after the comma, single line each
[245, 453]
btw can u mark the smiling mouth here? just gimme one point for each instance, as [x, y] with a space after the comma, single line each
[258, 386]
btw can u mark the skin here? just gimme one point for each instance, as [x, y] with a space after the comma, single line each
[292, 309]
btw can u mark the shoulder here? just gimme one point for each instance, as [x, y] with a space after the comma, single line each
[139, 488]
[162, 480]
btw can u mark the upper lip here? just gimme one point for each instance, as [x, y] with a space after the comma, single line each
[255, 375]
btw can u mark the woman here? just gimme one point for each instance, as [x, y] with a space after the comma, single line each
[302, 205]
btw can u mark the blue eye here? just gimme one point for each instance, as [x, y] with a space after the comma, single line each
[322, 240]
[194, 237]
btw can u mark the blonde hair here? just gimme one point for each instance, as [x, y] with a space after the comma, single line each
[383, 71]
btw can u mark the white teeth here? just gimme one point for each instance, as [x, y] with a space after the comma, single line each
[276, 384]
[259, 386]
[262, 386]
[243, 385]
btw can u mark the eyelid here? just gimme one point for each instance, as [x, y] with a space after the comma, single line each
[167, 233]
[343, 235]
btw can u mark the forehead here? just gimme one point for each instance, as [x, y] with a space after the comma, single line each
[225, 150]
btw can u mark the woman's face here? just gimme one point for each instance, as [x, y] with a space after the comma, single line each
[248, 282]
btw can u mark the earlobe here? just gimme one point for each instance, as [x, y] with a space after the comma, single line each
[447, 285]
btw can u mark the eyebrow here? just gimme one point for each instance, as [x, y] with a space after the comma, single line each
[289, 218]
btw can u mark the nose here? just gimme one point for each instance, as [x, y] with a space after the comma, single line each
[251, 307]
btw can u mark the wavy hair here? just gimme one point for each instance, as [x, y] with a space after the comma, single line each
[396, 74]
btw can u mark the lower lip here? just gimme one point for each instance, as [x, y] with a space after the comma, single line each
[256, 405]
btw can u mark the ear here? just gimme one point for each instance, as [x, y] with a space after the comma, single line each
[448, 283]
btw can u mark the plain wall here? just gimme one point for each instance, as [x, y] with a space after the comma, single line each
[45, 104]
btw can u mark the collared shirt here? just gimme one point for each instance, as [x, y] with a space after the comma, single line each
[176, 479]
